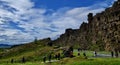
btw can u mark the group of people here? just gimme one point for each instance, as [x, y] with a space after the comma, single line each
[116, 54]
[66, 53]
[56, 56]
[23, 60]
[84, 53]
[113, 54]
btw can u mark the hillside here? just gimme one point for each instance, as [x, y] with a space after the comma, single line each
[31, 51]
[102, 32]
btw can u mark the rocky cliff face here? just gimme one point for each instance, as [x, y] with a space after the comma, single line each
[102, 32]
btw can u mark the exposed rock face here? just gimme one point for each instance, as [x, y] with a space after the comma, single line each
[102, 31]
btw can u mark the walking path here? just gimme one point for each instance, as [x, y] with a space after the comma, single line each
[51, 61]
[103, 55]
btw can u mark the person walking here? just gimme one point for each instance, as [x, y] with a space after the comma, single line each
[44, 59]
[112, 54]
[95, 53]
[12, 60]
[58, 56]
[84, 54]
[50, 57]
[23, 60]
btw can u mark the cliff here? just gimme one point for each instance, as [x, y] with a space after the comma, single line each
[102, 32]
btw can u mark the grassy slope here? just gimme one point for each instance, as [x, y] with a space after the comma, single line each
[31, 52]
[34, 53]
[95, 61]
[73, 61]
[76, 61]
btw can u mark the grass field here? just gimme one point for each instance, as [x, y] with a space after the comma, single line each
[75, 61]
[34, 55]
[78, 60]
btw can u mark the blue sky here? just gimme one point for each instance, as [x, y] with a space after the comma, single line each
[23, 20]
[56, 4]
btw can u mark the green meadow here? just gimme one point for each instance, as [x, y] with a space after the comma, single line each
[34, 54]
[77, 60]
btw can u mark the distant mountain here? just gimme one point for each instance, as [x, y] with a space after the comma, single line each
[5, 46]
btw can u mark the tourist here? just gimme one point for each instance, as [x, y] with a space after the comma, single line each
[50, 56]
[95, 53]
[84, 54]
[23, 60]
[58, 56]
[112, 54]
[12, 60]
[44, 59]
[78, 54]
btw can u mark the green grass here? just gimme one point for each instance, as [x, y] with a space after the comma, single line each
[35, 55]
[35, 52]
[75, 61]
[35, 58]
[88, 53]
[97, 61]
[31, 52]
[28, 63]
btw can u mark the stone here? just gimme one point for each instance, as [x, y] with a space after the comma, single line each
[101, 28]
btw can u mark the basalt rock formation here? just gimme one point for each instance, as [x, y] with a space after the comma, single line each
[102, 32]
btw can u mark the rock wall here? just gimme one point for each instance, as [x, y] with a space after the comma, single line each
[102, 32]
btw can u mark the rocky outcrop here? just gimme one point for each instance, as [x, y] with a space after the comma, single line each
[102, 32]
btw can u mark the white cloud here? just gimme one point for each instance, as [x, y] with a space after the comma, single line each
[1, 39]
[32, 22]
[20, 5]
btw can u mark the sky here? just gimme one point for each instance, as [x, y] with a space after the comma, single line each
[23, 20]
